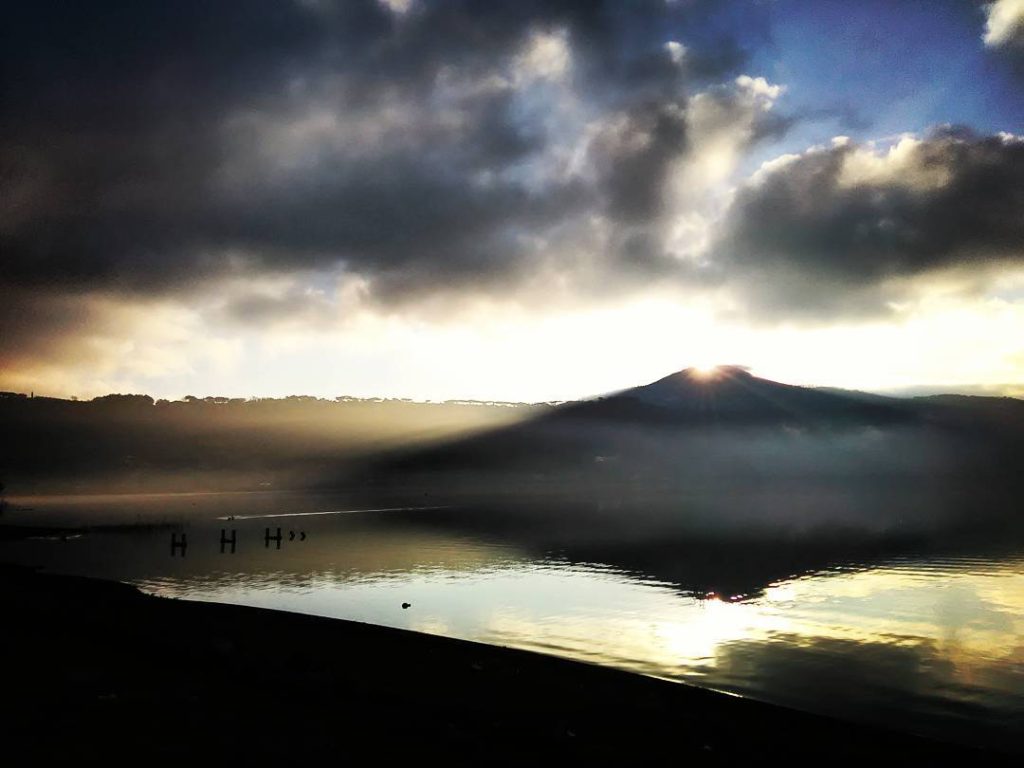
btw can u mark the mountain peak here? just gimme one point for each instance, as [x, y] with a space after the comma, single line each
[713, 372]
[694, 384]
[731, 392]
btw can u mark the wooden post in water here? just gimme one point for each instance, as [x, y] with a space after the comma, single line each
[267, 538]
[178, 544]
[224, 540]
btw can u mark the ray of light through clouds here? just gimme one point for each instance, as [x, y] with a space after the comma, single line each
[520, 201]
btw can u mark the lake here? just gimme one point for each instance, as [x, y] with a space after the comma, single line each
[925, 640]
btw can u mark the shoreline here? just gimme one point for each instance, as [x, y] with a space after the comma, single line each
[100, 669]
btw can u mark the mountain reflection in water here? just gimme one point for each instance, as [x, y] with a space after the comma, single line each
[925, 640]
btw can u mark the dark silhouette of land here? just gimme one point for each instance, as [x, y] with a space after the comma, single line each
[98, 671]
[633, 426]
[734, 455]
[686, 431]
[712, 483]
[126, 443]
[667, 479]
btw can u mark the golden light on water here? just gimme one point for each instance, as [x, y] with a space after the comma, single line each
[970, 627]
[920, 633]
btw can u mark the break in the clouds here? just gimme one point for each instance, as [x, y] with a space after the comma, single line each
[190, 170]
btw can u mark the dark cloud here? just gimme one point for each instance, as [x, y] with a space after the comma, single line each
[834, 230]
[143, 146]
[41, 328]
[34, 326]
[634, 155]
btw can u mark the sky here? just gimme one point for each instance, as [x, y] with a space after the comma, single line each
[509, 200]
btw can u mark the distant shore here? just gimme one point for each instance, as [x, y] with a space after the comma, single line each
[98, 669]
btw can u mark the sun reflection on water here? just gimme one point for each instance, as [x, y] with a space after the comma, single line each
[922, 642]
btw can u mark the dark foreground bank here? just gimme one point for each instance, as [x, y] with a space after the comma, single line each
[98, 670]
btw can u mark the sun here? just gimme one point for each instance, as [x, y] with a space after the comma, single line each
[705, 370]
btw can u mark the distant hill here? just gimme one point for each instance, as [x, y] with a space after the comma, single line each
[728, 401]
[121, 443]
[731, 395]
[719, 449]
[796, 456]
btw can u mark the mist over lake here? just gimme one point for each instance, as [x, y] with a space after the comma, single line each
[844, 554]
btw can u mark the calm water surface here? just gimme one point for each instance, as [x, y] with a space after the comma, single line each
[928, 643]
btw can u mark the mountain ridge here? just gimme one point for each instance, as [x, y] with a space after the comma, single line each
[731, 394]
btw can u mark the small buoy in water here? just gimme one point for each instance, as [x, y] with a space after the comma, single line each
[405, 605]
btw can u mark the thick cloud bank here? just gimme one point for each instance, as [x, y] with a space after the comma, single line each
[149, 145]
[843, 228]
